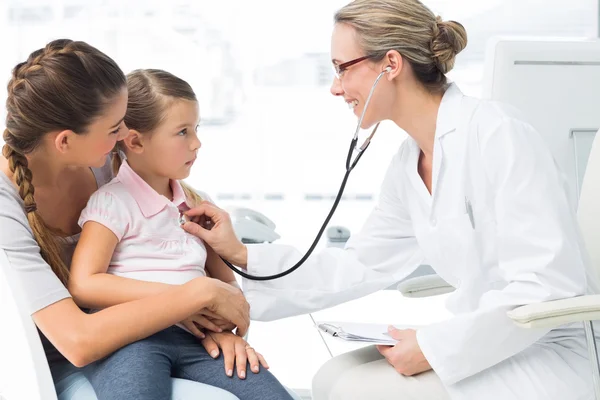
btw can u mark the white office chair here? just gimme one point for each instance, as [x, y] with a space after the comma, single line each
[24, 371]
[423, 282]
[583, 308]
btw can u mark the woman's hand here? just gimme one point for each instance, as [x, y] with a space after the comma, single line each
[213, 225]
[221, 324]
[235, 350]
[406, 356]
[195, 323]
[225, 303]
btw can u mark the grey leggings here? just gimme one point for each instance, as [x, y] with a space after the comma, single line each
[143, 371]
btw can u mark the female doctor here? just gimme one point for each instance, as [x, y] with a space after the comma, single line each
[474, 191]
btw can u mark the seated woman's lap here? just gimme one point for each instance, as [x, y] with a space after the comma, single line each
[196, 364]
[143, 370]
[77, 387]
[73, 385]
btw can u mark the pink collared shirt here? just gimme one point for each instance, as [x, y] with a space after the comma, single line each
[152, 245]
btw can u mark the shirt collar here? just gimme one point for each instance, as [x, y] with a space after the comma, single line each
[448, 113]
[148, 199]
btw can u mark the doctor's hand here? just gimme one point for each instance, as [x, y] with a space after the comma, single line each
[406, 356]
[213, 225]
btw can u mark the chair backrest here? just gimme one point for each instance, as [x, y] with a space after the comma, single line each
[24, 371]
[588, 213]
[556, 84]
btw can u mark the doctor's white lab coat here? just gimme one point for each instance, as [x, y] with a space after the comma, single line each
[498, 226]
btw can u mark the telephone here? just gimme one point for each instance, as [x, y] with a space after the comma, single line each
[337, 236]
[251, 226]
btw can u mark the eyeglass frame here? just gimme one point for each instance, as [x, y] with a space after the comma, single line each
[339, 69]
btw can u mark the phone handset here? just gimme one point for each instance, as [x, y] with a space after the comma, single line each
[252, 226]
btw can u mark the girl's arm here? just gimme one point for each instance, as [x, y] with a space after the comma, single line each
[217, 269]
[90, 285]
[84, 338]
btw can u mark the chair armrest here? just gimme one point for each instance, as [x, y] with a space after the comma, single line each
[24, 370]
[551, 314]
[424, 286]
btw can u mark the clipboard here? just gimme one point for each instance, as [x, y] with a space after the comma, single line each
[360, 332]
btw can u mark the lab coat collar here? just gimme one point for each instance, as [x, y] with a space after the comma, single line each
[448, 113]
[447, 121]
[148, 199]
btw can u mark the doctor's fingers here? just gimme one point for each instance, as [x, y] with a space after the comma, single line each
[400, 334]
[384, 350]
[392, 355]
[404, 361]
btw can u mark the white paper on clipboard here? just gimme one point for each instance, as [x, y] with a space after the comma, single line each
[361, 332]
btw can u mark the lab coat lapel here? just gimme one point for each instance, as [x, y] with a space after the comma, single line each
[414, 177]
[447, 120]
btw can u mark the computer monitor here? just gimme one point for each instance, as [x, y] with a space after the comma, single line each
[556, 84]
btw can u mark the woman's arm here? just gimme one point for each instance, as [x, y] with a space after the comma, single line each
[83, 338]
[89, 283]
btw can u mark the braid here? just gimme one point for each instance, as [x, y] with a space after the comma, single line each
[34, 63]
[63, 86]
[19, 167]
[49, 247]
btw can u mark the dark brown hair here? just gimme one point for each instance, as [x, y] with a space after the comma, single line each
[63, 86]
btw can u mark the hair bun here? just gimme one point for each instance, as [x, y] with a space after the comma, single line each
[449, 39]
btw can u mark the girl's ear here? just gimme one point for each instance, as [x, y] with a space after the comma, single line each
[134, 142]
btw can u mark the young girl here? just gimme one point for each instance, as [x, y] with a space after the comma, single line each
[131, 232]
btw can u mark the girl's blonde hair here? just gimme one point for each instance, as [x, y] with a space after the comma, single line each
[151, 92]
[428, 43]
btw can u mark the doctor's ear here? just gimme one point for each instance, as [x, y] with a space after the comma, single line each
[134, 142]
[394, 64]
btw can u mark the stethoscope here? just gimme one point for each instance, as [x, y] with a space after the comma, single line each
[350, 164]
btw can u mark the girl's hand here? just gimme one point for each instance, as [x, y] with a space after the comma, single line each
[235, 350]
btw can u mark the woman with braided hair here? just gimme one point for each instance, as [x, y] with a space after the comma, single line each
[66, 106]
